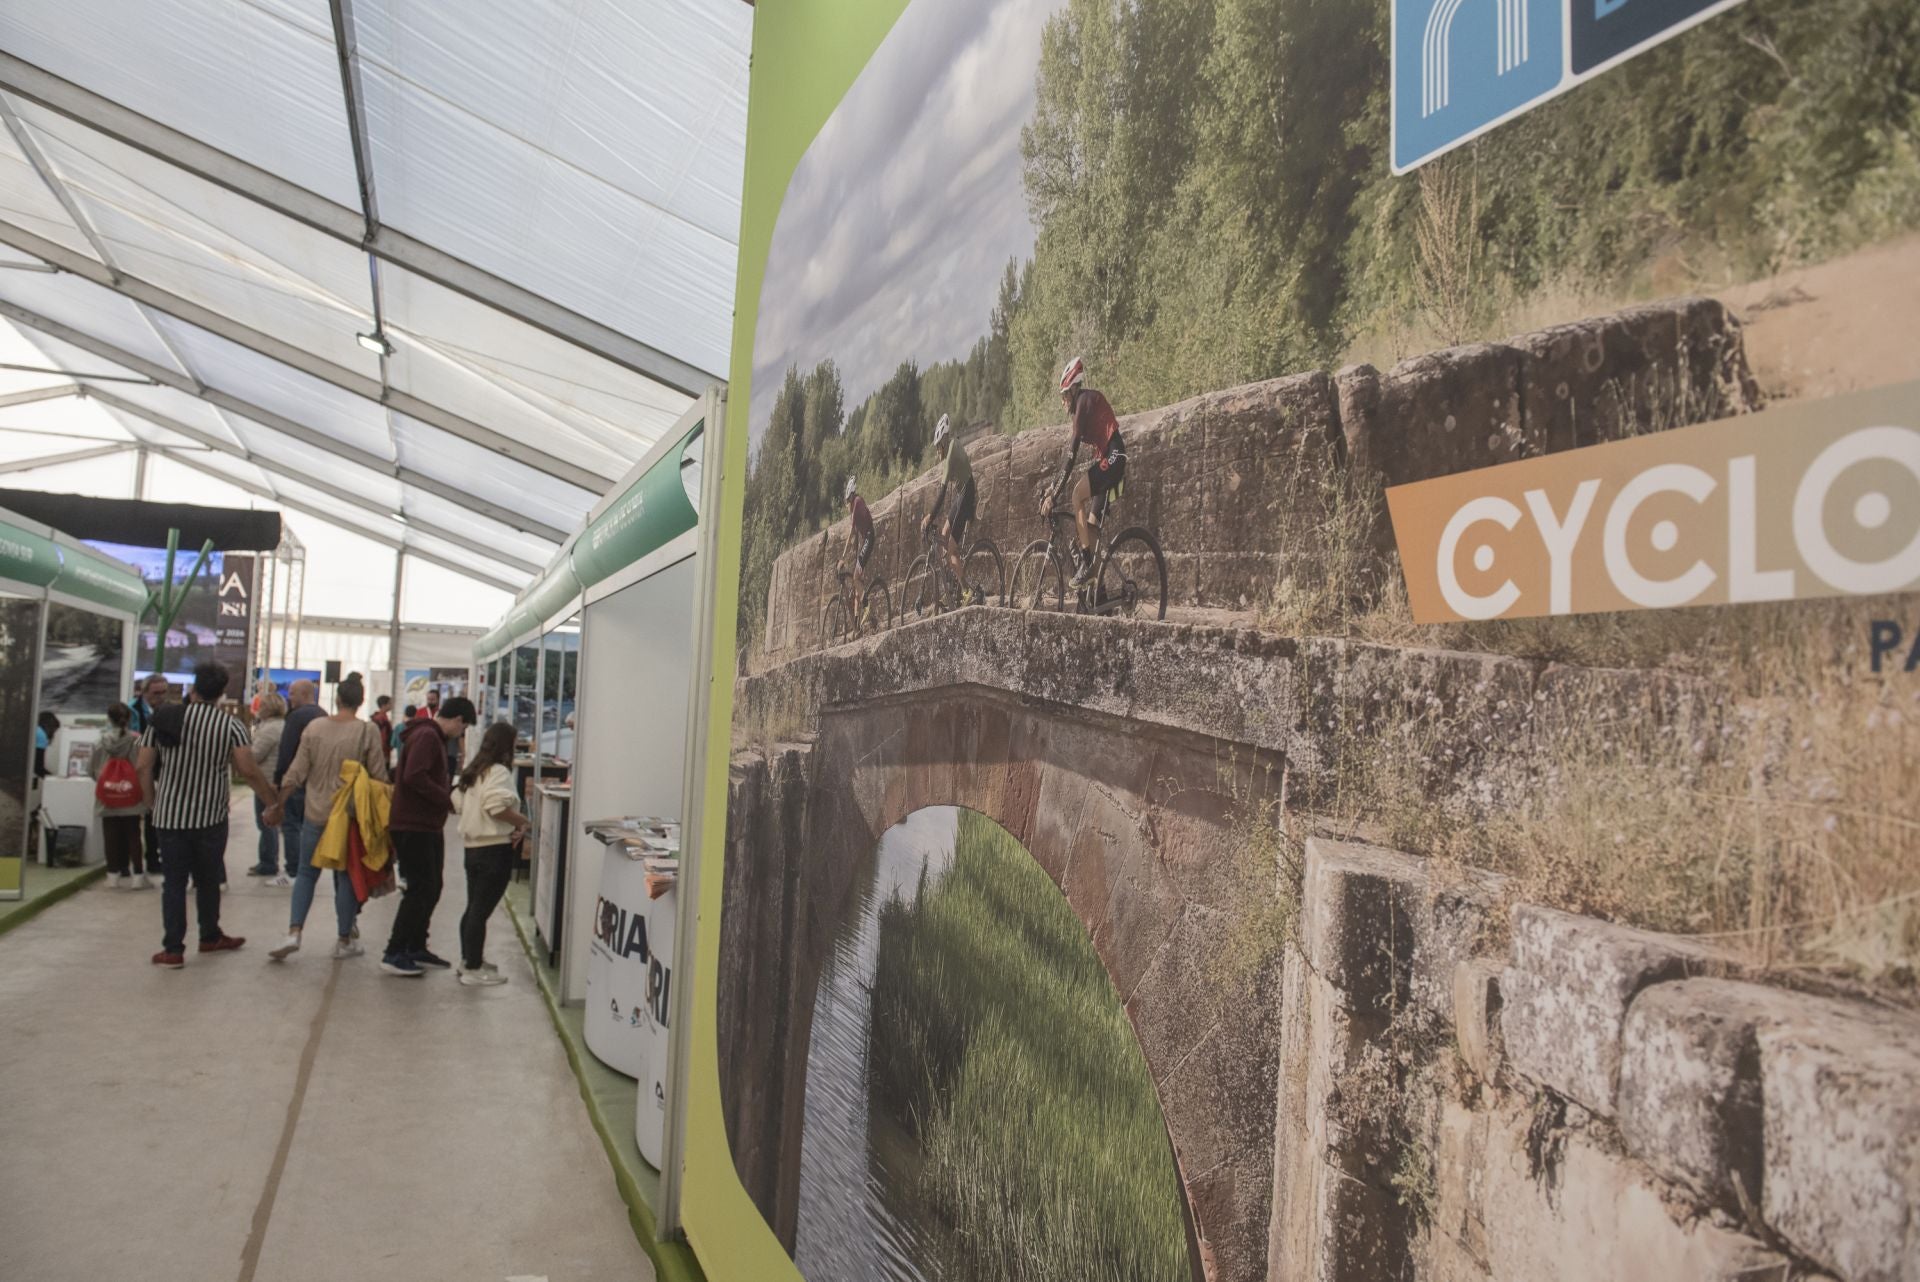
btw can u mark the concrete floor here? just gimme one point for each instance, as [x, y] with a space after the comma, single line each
[308, 1121]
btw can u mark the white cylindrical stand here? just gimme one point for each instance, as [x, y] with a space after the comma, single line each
[618, 1031]
[650, 1115]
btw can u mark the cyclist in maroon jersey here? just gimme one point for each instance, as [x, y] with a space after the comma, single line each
[1095, 426]
[859, 544]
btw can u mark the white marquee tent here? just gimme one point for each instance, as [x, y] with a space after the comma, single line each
[432, 272]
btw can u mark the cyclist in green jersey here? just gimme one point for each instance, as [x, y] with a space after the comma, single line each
[957, 479]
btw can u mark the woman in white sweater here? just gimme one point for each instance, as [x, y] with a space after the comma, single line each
[491, 826]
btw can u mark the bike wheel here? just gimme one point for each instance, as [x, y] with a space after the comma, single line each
[879, 606]
[834, 625]
[1038, 582]
[919, 591]
[986, 573]
[1133, 576]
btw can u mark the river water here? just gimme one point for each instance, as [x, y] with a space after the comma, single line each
[851, 1154]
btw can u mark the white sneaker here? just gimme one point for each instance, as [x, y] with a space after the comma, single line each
[144, 883]
[347, 948]
[485, 977]
[121, 881]
[288, 948]
[281, 880]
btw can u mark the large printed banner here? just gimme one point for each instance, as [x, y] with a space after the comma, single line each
[1028, 705]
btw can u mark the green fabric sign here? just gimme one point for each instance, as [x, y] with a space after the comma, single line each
[652, 513]
[87, 575]
[27, 557]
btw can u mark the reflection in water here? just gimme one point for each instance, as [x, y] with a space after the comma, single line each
[853, 1156]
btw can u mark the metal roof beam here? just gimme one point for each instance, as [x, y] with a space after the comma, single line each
[77, 456]
[333, 518]
[213, 165]
[299, 358]
[276, 422]
[302, 477]
[33, 395]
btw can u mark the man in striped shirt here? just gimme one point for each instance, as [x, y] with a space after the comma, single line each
[201, 748]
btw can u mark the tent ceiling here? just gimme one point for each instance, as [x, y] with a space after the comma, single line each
[534, 202]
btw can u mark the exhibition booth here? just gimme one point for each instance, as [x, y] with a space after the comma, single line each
[67, 615]
[594, 665]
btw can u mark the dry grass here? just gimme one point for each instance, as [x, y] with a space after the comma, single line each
[1779, 817]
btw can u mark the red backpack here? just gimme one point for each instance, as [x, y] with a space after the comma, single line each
[118, 786]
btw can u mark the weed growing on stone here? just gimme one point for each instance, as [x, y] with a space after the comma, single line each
[1266, 862]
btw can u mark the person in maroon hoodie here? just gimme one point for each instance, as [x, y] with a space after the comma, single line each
[422, 800]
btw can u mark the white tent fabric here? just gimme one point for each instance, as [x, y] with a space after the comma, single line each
[439, 270]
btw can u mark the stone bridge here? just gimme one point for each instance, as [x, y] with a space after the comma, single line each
[1122, 755]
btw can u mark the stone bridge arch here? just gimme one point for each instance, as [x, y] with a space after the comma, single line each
[1132, 823]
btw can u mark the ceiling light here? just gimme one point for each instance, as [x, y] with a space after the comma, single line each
[375, 342]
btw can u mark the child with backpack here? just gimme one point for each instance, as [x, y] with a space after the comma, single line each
[118, 801]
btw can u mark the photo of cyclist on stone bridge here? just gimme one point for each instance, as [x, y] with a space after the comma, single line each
[1126, 326]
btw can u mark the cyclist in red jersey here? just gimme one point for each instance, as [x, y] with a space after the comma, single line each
[1095, 426]
[859, 543]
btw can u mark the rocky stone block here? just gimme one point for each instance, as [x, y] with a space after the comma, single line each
[1641, 370]
[1841, 1087]
[1689, 1099]
[1567, 991]
[1449, 411]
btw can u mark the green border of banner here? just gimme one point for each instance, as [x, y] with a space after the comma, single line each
[806, 56]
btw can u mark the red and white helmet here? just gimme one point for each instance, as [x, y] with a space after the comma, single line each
[1073, 375]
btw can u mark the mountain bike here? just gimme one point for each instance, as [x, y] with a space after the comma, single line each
[1129, 576]
[845, 618]
[930, 587]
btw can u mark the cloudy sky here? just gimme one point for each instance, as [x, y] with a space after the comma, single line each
[904, 211]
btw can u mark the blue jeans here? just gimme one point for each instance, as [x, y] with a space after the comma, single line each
[346, 908]
[293, 818]
[196, 853]
[269, 861]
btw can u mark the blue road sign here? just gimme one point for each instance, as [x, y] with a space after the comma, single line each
[1461, 67]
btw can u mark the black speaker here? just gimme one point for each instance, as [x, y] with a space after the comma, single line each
[333, 672]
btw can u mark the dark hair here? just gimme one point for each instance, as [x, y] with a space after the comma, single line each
[49, 722]
[383, 701]
[460, 706]
[496, 749]
[409, 711]
[120, 715]
[350, 693]
[210, 682]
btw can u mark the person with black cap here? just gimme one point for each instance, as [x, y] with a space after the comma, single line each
[422, 800]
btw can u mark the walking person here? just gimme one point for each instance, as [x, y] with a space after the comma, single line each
[196, 749]
[326, 744]
[118, 801]
[491, 827]
[383, 717]
[269, 727]
[149, 696]
[303, 709]
[422, 800]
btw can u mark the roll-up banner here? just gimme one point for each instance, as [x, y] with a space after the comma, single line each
[1309, 594]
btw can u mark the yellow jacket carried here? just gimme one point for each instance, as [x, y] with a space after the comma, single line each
[366, 801]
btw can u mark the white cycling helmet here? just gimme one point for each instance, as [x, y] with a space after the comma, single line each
[941, 431]
[1073, 375]
[851, 489]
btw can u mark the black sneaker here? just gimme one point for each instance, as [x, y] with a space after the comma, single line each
[1082, 568]
[260, 872]
[425, 958]
[400, 964]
